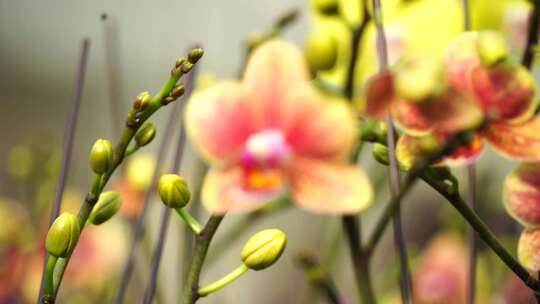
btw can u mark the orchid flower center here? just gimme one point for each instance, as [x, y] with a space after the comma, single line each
[265, 156]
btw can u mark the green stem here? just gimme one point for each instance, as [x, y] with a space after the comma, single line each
[360, 259]
[99, 182]
[49, 275]
[131, 149]
[481, 228]
[202, 244]
[226, 280]
[532, 36]
[190, 221]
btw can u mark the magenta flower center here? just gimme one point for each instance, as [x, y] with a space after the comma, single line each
[265, 156]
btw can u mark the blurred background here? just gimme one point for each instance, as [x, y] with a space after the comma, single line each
[133, 45]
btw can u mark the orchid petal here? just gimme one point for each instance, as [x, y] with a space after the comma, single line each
[274, 69]
[411, 149]
[521, 194]
[452, 112]
[409, 118]
[378, 95]
[224, 191]
[220, 119]
[465, 155]
[529, 249]
[505, 92]
[324, 187]
[319, 126]
[461, 57]
[520, 142]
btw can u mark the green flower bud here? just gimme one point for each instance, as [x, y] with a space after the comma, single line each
[106, 207]
[145, 134]
[491, 47]
[263, 249]
[173, 191]
[380, 153]
[142, 101]
[195, 54]
[63, 235]
[101, 156]
[327, 7]
[321, 50]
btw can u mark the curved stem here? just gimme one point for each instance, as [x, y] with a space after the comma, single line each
[471, 199]
[481, 229]
[226, 280]
[49, 279]
[203, 240]
[190, 221]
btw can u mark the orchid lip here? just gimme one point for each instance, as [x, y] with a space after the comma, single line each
[267, 149]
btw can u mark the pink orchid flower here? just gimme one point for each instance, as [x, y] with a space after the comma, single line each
[274, 133]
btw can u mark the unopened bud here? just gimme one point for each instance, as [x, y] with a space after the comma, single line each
[145, 134]
[173, 191]
[63, 235]
[263, 249]
[491, 47]
[168, 99]
[418, 77]
[178, 90]
[327, 7]
[106, 207]
[101, 156]
[380, 153]
[321, 50]
[186, 67]
[142, 101]
[195, 54]
[180, 62]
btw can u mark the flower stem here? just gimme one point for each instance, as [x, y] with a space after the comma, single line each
[69, 136]
[481, 229]
[226, 280]
[360, 259]
[202, 244]
[471, 199]
[532, 35]
[190, 221]
[177, 160]
[49, 279]
[399, 238]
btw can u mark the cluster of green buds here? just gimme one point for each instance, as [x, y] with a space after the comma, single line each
[63, 235]
[106, 207]
[101, 156]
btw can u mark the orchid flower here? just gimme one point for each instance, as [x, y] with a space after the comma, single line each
[274, 133]
[477, 67]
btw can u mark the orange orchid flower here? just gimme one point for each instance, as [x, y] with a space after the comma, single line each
[273, 133]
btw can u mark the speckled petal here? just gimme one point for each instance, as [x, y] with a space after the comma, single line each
[506, 93]
[529, 249]
[220, 119]
[224, 190]
[274, 69]
[334, 188]
[521, 194]
[521, 142]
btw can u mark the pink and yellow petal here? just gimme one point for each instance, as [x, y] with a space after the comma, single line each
[521, 142]
[461, 57]
[227, 190]
[521, 194]
[452, 112]
[273, 70]
[319, 126]
[220, 119]
[505, 92]
[465, 155]
[409, 118]
[333, 188]
[528, 250]
[378, 95]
